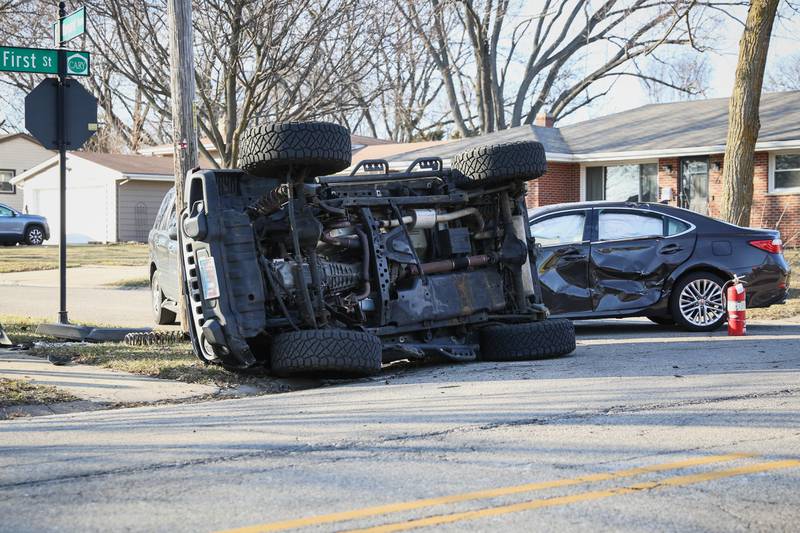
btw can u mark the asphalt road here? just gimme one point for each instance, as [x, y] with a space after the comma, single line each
[642, 429]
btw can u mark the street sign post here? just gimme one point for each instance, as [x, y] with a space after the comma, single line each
[69, 27]
[59, 112]
[43, 60]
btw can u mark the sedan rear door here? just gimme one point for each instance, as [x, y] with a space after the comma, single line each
[632, 254]
[563, 261]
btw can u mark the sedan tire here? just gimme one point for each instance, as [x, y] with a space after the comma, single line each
[698, 302]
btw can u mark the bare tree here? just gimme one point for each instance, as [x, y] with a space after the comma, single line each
[518, 60]
[743, 121]
[784, 75]
[254, 60]
[683, 76]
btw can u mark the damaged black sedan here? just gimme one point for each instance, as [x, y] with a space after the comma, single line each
[621, 259]
[305, 272]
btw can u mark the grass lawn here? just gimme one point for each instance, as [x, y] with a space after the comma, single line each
[20, 392]
[26, 258]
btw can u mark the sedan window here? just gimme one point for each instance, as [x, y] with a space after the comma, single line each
[559, 230]
[675, 226]
[5, 212]
[614, 226]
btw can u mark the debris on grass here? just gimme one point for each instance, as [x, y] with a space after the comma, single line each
[15, 392]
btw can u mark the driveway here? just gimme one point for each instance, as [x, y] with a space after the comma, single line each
[89, 297]
[643, 428]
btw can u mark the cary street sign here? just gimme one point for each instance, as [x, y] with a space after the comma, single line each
[71, 26]
[42, 61]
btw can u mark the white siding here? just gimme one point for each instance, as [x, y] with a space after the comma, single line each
[138, 202]
[20, 154]
[91, 201]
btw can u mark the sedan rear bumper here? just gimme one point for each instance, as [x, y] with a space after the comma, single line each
[768, 283]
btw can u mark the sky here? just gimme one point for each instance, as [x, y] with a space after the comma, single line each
[785, 41]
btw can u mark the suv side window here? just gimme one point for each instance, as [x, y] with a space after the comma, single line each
[167, 203]
[562, 229]
[616, 225]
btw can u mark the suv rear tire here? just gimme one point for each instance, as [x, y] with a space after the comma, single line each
[500, 163]
[161, 315]
[319, 148]
[328, 352]
[528, 341]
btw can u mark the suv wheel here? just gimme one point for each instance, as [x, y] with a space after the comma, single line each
[528, 341]
[698, 302]
[499, 163]
[161, 315]
[327, 352]
[271, 150]
[34, 235]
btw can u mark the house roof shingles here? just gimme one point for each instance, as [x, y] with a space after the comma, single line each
[692, 124]
[131, 164]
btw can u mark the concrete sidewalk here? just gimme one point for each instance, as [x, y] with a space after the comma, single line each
[97, 385]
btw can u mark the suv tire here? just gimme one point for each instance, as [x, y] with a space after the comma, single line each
[161, 315]
[528, 341]
[34, 235]
[329, 352]
[319, 148]
[499, 163]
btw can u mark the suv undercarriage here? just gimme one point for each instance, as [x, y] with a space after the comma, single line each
[304, 272]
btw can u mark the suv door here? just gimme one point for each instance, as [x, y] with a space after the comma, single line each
[8, 226]
[169, 279]
[563, 261]
[632, 254]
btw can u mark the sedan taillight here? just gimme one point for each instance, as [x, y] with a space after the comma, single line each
[772, 246]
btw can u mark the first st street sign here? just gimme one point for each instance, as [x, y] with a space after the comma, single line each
[42, 61]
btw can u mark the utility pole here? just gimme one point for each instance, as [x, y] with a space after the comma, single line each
[181, 54]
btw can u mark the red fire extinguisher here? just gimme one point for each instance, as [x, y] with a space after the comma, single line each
[737, 308]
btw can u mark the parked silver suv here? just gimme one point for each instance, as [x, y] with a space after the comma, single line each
[163, 241]
[16, 227]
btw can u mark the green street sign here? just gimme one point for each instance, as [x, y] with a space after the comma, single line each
[42, 61]
[73, 25]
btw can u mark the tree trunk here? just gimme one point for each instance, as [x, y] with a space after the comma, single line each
[184, 137]
[743, 121]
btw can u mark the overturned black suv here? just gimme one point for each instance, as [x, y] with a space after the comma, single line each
[304, 272]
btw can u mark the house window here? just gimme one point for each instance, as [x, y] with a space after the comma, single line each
[786, 173]
[5, 181]
[623, 183]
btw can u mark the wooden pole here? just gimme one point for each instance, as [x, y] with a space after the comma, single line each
[743, 119]
[181, 54]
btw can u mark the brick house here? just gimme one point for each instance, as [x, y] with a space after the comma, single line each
[660, 152]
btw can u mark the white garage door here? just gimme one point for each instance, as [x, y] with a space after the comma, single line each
[86, 213]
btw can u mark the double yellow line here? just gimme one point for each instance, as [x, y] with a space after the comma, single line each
[676, 481]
